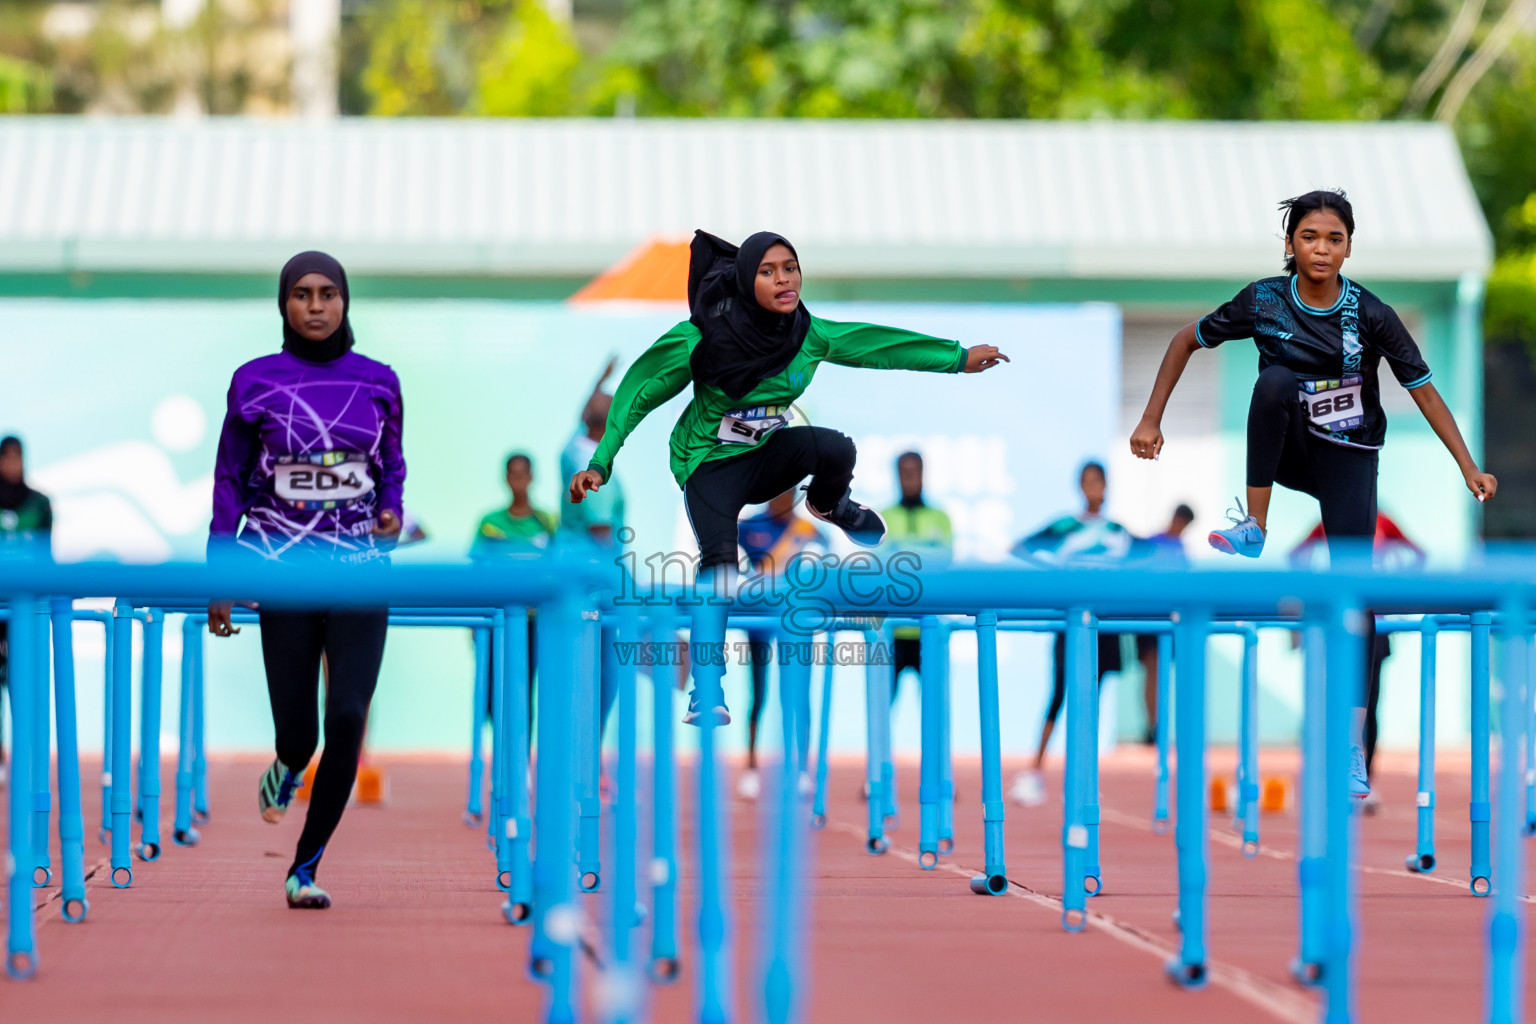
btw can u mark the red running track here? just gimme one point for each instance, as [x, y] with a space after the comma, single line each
[416, 935]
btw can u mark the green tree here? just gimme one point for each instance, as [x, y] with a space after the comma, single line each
[442, 57]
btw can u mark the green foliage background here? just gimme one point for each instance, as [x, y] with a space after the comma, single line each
[1222, 59]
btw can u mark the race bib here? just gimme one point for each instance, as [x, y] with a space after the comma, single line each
[1333, 406]
[750, 426]
[325, 480]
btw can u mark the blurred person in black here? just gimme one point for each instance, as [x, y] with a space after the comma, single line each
[26, 517]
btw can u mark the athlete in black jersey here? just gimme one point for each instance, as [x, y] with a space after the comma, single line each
[1315, 423]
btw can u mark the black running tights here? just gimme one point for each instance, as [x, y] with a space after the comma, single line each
[291, 646]
[1281, 450]
[718, 490]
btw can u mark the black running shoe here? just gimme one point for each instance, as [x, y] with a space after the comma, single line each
[863, 525]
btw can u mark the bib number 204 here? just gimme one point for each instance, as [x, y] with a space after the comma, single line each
[325, 483]
[322, 480]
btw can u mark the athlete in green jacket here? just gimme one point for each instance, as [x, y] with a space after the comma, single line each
[750, 349]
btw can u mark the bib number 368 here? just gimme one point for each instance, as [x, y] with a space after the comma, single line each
[1333, 405]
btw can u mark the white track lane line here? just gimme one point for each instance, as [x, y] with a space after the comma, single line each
[1277, 1000]
[1226, 839]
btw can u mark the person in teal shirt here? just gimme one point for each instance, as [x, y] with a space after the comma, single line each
[750, 349]
[600, 517]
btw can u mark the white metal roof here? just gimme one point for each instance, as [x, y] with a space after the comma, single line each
[860, 198]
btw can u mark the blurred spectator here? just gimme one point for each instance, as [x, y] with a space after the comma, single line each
[913, 525]
[519, 527]
[1167, 549]
[1088, 538]
[26, 517]
[601, 514]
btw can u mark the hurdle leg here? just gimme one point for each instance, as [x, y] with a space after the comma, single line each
[474, 815]
[627, 999]
[498, 832]
[803, 716]
[708, 636]
[1478, 810]
[1248, 739]
[993, 881]
[1530, 739]
[930, 782]
[782, 968]
[823, 739]
[199, 732]
[877, 720]
[71, 823]
[21, 928]
[42, 743]
[1188, 969]
[1346, 678]
[663, 874]
[121, 774]
[557, 917]
[892, 809]
[517, 823]
[1080, 725]
[1423, 858]
[1164, 712]
[1093, 875]
[1307, 968]
[946, 761]
[1506, 913]
[182, 832]
[588, 750]
[109, 665]
[150, 688]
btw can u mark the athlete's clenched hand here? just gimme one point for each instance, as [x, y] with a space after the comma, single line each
[983, 357]
[1483, 485]
[387, 525]
[581, 483]
[1147, 440]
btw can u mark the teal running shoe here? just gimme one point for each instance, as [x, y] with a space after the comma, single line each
[278, 784]
[1243, 537]
[1359, 781]
[303, 893]
[720, 713]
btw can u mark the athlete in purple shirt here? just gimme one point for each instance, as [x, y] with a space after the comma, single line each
[310, 458]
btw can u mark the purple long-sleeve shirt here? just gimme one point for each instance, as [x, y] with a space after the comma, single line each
[309, 455]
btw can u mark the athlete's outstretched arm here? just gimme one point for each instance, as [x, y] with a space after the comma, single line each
[1481, 484]
[658, 376]
[877, 347]
[1147, 438]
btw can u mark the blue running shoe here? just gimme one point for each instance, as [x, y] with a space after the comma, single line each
[1243, 537]
[1359, 781]
[722, 714]
[303, 893]
[278, 784]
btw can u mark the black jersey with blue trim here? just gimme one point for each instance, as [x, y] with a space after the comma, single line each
[1350, 337]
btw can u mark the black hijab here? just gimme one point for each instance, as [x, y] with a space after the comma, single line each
[13, 495]
[742, 343]
[340, 342]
